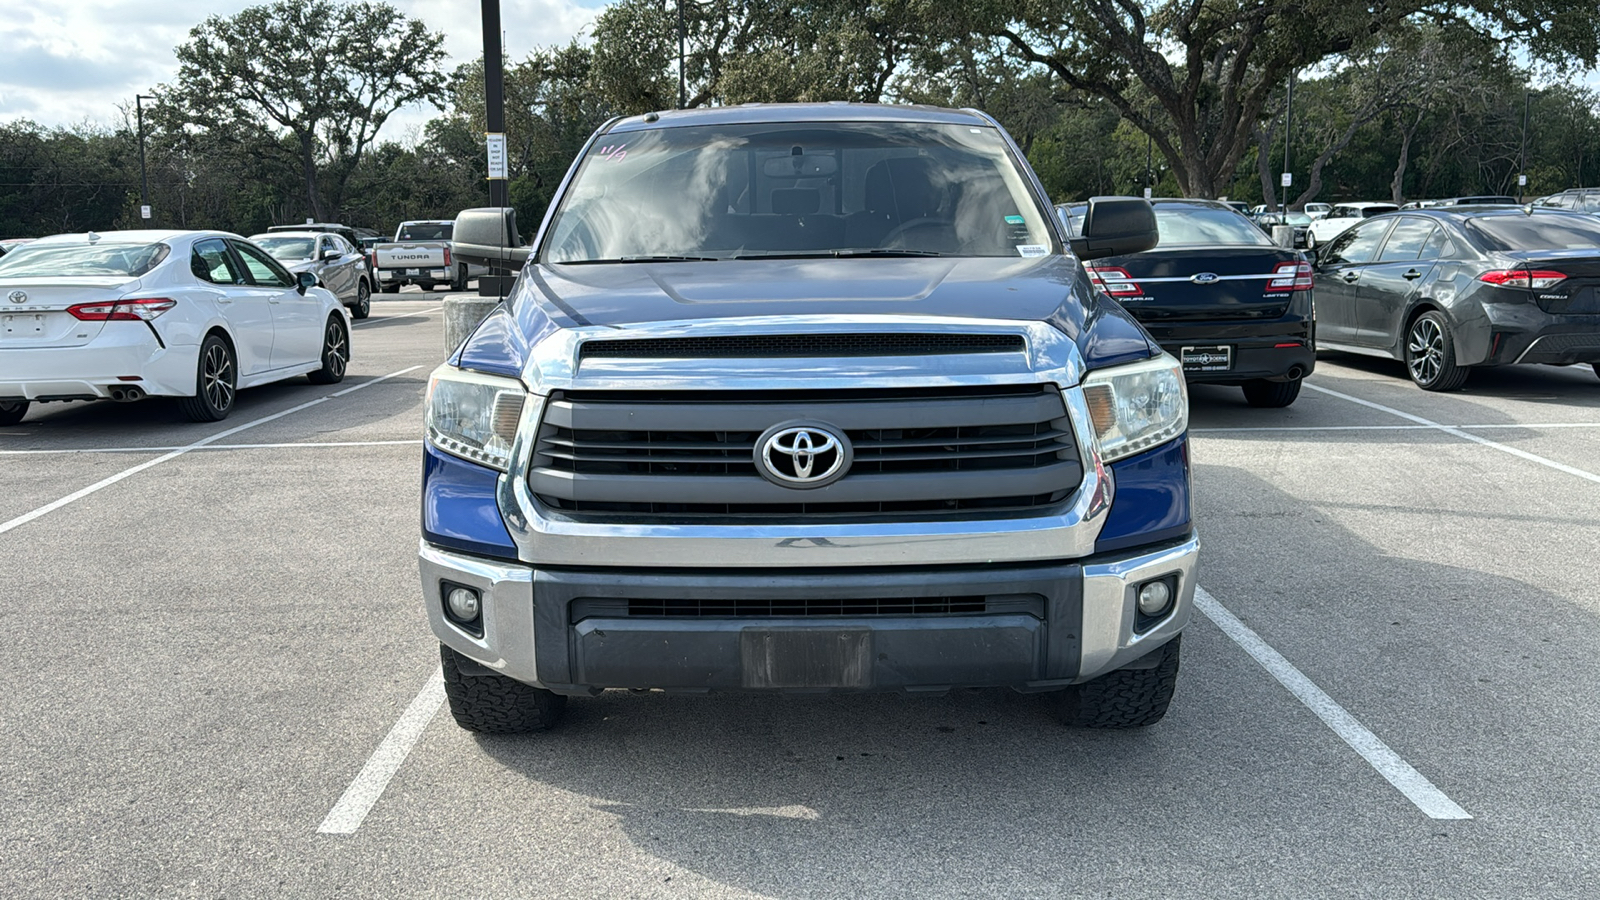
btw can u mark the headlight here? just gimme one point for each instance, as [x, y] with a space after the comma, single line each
[474, 416]
[1137, 406]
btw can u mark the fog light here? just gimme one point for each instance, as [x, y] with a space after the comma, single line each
[1154, 598]
[463, 604]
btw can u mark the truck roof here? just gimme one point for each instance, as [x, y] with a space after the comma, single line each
[837, 111]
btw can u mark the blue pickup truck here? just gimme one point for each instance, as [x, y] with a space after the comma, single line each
[809, 398]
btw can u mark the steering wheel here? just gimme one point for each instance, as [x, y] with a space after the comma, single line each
[904, 228]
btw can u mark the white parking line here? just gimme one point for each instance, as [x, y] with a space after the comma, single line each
[1500, 425]
[1418, 789]
[359, 798]
[77, 495]
[401, 315]
[209, 447]
[1464, 435]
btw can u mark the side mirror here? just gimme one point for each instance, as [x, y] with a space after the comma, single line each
[331, 253]
[305, 282]
[1116, 226]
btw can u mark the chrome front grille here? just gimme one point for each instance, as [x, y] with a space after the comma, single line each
[690, 456]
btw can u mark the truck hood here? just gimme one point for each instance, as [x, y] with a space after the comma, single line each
[1048, 289]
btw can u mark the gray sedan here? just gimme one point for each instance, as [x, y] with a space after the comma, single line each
[1453, 288]
[339, 267]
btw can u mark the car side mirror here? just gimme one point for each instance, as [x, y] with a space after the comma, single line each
[305, 282]
[331, 253]
[1116, 226]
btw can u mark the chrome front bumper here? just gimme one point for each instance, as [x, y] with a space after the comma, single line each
[1088, 628]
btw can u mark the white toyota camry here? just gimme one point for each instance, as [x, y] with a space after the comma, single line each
[133, 314]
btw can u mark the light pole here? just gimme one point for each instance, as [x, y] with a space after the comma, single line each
[1522, 154]
[683, 84]
[144, 179]
[1288, 125]
[1147, 140]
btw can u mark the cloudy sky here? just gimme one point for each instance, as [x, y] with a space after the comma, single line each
[67, 61]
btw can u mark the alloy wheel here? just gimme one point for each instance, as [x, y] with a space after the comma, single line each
[216, 377]
[336, 350]
[1425, 350]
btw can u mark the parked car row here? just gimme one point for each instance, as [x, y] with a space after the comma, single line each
[196, 315]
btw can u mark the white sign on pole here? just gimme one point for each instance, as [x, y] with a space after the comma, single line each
[1288, 179]
[1147, 193]
[1522, 181]
[144, 212]
[497, 155]
[310, 221]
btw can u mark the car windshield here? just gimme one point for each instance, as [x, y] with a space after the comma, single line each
[1530, 232]
[427, 231]
[1296, 219]
[1183, 224]
[787, 189]
[66, 260]
[286, 248]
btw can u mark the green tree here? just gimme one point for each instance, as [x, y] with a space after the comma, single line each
[324, 74]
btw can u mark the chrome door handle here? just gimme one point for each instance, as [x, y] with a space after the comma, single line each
[1412, 275]
[1351, 277]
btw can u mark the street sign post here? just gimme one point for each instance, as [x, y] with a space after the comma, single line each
[497, 155]
[144, 212]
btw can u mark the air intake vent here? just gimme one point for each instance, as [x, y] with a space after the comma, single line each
[780, 346]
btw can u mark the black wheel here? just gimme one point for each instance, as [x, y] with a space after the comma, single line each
[459, 282]
[12, 411]
[216, 379]
[427, 286]
[335, 354]
[390, 288]
[1431, 354]
[1126, 698]
[363, 306]
[1271, 394]
[495, 704]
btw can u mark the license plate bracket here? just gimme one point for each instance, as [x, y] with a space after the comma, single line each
[806, 658]
[1209, 358]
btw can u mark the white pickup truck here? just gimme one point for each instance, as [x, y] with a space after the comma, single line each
[421, 254]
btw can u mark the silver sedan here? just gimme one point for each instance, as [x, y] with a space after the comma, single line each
[339, 267]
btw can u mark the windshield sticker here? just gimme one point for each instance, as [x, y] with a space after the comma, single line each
[1029, 251]
[614, 153]
[1015, 220]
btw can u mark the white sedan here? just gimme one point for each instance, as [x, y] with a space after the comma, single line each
[190, 314]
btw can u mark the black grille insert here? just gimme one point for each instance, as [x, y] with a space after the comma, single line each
[814, 607]
[800, 346]
[690, 455]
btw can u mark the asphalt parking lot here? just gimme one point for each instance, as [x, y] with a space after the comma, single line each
[220, 681]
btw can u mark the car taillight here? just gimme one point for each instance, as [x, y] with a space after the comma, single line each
[1114, 280]
[141, 310]
[1290, 276]
[447, 257]
[1537, 280]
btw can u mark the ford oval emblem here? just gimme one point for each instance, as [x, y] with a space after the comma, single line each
[18, 296]
[1206, 278]
[803, 455]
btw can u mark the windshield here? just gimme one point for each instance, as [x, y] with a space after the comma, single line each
[426, 231]
[286, 248]
[786, 189]
[1535, 232]
[1183, 224]
[55, 260]
[1296, 219]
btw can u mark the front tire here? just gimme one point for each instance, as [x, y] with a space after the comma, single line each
[12, 412]
[335, 354]
[1311, 241]
[1431, 354]
[1271, 394]
[494, 704]
[216, 382]
[363, 305]
[1126, 698]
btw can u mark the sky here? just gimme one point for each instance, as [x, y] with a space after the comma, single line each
[70, 61]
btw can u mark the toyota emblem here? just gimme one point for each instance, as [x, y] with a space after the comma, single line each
[1206, 278]
[803, 455]
[18, 296]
